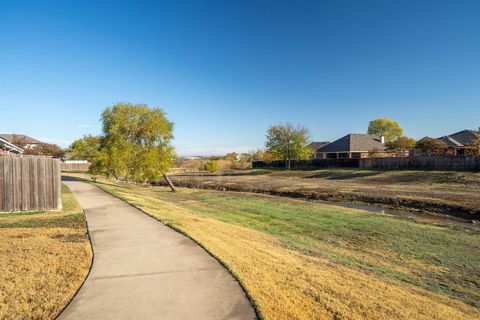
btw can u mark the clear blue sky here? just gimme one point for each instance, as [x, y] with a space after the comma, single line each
[226, 70]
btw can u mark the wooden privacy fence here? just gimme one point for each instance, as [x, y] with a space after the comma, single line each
[30, 184]
[75, 167]
[425, 162]
[309, 164]
[432, 162]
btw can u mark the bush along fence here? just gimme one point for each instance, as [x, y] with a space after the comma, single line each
[75, 166]
[30, 184]
[424, 162]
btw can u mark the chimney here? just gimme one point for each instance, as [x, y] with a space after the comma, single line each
[382, 139]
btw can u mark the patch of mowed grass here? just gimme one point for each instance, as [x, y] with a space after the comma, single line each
[60, 221]
[44, 258]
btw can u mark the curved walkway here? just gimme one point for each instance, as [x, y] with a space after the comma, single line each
[145, 270]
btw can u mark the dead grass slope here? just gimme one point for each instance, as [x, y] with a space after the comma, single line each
[44, 258]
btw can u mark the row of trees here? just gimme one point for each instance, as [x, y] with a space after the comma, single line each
[135, 144]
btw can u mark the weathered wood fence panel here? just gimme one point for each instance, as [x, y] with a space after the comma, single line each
[426, 162]
[30, 184]
[75, 167]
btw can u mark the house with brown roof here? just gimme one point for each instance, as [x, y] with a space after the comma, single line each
[459, 141]
[353, 145]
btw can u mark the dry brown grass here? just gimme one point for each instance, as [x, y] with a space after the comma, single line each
[291, 284]
[44, 258]
[450, 192]
[198, 165]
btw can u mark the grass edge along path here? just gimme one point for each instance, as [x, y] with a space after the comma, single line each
[45, 257]
[288, 283]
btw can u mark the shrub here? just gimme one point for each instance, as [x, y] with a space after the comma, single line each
[211, 166]
[432, 147]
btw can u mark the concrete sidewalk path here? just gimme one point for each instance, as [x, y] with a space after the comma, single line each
[145, 270]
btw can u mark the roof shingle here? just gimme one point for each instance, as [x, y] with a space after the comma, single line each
[355, 142]
[314, 146]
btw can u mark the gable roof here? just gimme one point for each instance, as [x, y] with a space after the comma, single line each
[29, 140]
[314, 146]
[425, 138]
[354, 142]
[461, 138]
[6, 145]
[450, 141]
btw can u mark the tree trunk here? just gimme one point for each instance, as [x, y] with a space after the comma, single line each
[170, 184]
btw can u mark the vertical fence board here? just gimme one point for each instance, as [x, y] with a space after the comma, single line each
[2, 186]
[8, 185]
[25, 184]
[48, 185]
[41, 184]
[58, 185]
[34, 183]
[17, 185]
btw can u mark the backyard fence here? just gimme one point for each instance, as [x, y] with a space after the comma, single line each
[431, 162]
[306, 164]
[30, 184]
[75, 167]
